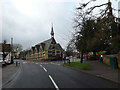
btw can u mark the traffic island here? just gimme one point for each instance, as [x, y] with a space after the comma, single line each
[78, 65]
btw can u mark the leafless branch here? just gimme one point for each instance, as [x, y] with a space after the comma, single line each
[92, 8]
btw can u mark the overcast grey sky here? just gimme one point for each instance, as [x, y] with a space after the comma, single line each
[29, 21]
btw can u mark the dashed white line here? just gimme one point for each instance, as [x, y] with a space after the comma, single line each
[24, 62]
[36, 63]
[53, 82]
[41, 65]
[44, 69]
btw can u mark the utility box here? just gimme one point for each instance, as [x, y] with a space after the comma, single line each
[113, 62]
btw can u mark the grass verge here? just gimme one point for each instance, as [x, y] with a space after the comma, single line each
[83, 66]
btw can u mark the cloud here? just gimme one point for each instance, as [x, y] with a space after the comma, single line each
[29, 21]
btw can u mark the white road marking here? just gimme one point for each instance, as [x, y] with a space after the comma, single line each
[55, 64]
[41, 65]
[36, 63]
[53, 82]
[44, 69]
[24, 62]
[44, 63]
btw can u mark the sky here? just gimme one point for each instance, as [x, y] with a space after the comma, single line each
[119, 8]
[29, 21]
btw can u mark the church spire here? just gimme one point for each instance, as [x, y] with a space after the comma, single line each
[52, 32]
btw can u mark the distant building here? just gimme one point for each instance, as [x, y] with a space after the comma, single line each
[5, 49]
[48, 49]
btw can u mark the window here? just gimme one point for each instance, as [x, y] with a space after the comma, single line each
[53, 47]
[49, 51]
[58, 52]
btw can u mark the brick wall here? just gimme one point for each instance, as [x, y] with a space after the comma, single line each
[107, 61]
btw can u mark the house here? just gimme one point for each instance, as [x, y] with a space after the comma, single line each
[46, 50]
[5, 49]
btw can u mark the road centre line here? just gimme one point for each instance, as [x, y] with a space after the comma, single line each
[24, 62]
[41, 65]
[53, 82]
[44, 69]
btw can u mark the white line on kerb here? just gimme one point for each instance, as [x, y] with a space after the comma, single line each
[44, 69]
[54, 83]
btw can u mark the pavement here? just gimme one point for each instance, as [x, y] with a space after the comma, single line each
[8, 72]
[102, 70]
[33, 74]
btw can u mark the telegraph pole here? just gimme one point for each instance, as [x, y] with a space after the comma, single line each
[11, 45]
[12, 51]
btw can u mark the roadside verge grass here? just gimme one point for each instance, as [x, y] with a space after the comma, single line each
[83, 66]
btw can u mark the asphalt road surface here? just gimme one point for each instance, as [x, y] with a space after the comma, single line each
[52, 75]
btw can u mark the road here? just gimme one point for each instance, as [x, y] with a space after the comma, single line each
[34, 74]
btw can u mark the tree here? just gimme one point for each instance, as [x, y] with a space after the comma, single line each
[70, 48]
[17, 47]
[115, 44]
[94, 33]
[85, 28]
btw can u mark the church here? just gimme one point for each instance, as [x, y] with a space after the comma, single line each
[46, 50]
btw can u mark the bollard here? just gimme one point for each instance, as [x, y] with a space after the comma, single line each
[64, 61]
[16, 63]
[68, 61]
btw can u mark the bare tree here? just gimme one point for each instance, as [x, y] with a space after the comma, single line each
[99, 32]
[17, 47]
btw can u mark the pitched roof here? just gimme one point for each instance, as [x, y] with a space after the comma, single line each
[60, 46]
[33, 48]
[5, 47]
[46, 44]
[37, 46]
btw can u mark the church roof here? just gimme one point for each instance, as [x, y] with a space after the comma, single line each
[46, 44]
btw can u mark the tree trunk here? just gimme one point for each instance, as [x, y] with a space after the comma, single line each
[81, 57]
[87, 56]
[94, 53]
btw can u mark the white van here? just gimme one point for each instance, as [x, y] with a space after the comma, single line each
[8, 58]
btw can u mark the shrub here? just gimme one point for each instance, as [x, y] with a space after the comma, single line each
[93, 57]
